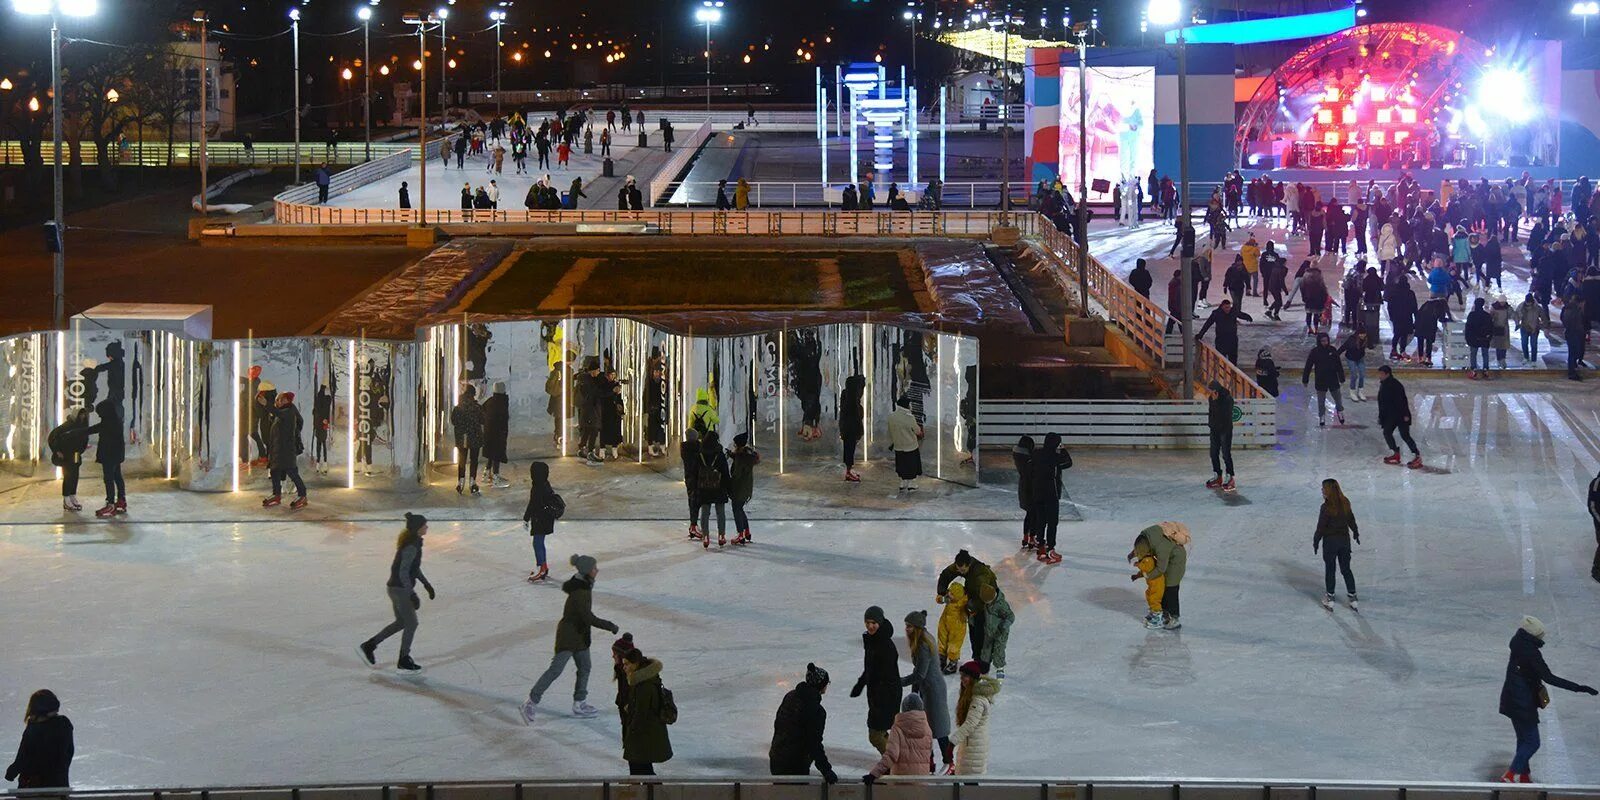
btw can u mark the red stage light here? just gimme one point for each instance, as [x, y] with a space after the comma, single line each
[1376, 138]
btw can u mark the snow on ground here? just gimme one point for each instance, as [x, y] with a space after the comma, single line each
[204, 640]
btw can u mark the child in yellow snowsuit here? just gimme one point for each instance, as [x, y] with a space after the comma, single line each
[1154, 588]
[952, 628]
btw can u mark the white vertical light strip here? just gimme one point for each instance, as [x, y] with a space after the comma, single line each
[61, 383]
[455, 382]
[566, 372]
[37, 343]
[938, 422]
[783, 396]
[868, 365]
[235, 444]
[167, 396]
[350, 423]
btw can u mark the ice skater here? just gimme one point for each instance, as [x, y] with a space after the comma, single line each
[997, 620]
[742, 461]
[651, 708]
[851, 423]
[927, 680]
[974, 706]
[711, 483]
[880, 677]
[44, 757]
[1336, 527]
[496, 430]
[70, 439]
[1022, 459]
[1167, 543]
[109, 452]
[1324, 362]
[284, 445]
[1394, 414]
[798, 728]
[974, 575]
[1524, 693]
[572, 641]
[405, 572]
[1219, 423]
[544, 508]
[1044, 496]
[467, 421]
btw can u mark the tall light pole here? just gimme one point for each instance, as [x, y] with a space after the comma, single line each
[205, 67]
[443, 15]
[1005, 126]
[499, 18]
[1083, 171]
[294, 25]
[1164, 13]
[912, 15]
[1585, 10]
[55, 8]
[364, 13]
[5, 105]
[422, 109]
[709, 13]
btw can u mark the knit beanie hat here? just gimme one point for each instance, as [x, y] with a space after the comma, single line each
[584, 564]
[414, 522]
[622, 645]
[875, 614]
[973, 668]
[288, 397]
[1534, 627]
[917, 619]
[816, 676]
[913, 702]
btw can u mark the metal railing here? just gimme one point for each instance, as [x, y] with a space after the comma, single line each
[679, 160]
[812, 194]
[304, 195]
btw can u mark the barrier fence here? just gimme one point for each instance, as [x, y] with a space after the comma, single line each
[798, 194]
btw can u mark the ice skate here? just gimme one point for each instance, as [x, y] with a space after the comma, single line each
[1392, 459]
[121, 507]
[299, 503]
[461, 486]
[501, 483]
[529, 708]
[368, 653]
[694, 531]
[1214, 483]
[722, 541]
[705, 541]
[1051, 557]
[66, 505]
[539, 574]
[1172, 624]
[475, 491]
[106, 511]
[1338, 417]
[73, 502]
[408, 667]
[1228, 485]
[582, 710]
[1153, 621]
[1355, 605]
[1327, 601]
[1027, 542]
[1415, 462]
[272, 501]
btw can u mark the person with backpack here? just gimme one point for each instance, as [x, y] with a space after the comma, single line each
[798, 728]
[742, 460]
[1524, 693]
[1167, 543]
[703, 415]
[711, 482]
[1219, 423]
[880, 677]
[67, 442]
[572, 641]
[539, 518]
[651, 708]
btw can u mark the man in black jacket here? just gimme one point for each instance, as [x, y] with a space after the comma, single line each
[1226, 318]
[1184, 239]
[797, 731]
[1219, 419]
[284, 445]
[1274, 271]
[1324, 361]
[1140, 278]
[1576, 327]
[1394, 413]
[591, 392]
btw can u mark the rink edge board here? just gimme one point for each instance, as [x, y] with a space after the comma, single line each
[1125, 423]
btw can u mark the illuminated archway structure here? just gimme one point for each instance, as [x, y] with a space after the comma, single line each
[1372, 96]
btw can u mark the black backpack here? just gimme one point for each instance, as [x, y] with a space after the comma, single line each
[669, 706]
[708, 478]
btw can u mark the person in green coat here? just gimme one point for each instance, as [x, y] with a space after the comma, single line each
[975, 575]
[645, 742]
[1167, 542]
[997, 619]
[572, 640]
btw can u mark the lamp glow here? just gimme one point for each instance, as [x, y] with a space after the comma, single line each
[364, 13]
[1164, 12]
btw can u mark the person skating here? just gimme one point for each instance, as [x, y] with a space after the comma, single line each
[974, 707]
[905, 437]
[68, 442]
[1022, 459]
[703, 415]
[655, 412]
[851, 425]
[1575, 326]
[467, 421]
[952, 627]
[711, 487]
[1140, 278]
[880, 676]
[1044, 497]
[742, 461]
[44, 756]
[798, 728]
[1155, 585]
[974, 575]
[1394, 414]
[1354, 351]
[1336, 527]
[926, 679]
[1267, 371]
[909, 749]
[651, 709]
[1324, 362]
[619, 675]
[997, 620]
[1167, 542]
[1478, 332]
[109, 452]
[405, 572]
[689, 455]
[572, 640]
[591, 395]
[1219, 425]
[1226, 317]
[284, 445]
[1524, 693]
[613, 410]
[539, 517]
[1594, 515]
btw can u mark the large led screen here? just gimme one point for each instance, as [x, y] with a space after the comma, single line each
[1121, 123]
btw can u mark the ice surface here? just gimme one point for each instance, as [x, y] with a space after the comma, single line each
[205, 640]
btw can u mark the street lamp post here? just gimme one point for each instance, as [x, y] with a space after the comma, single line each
[205, 67]
[1163, 13]
[422, 114]
[55, 8]
[365, 14]
[499, 18]
[1083, 172]
[443, 14]
[294, 24]
[913, 16]
[1585, 10]
[709, 13]
[5, 105]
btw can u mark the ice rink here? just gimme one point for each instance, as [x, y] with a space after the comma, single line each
[206, 641]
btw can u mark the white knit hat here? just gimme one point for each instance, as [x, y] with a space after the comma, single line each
[1534, 627]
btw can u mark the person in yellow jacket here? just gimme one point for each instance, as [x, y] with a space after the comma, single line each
[1251, 253]
[952, 628]
[741, 195]
[1155, 586]
[703, 414]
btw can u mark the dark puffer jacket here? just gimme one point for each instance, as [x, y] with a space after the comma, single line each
[1526, 674]
[797, 733]
[880, 677]
[577, 617]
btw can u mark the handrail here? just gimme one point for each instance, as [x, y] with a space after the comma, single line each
[152, 153]
[355, 177]
[679, 160]
[1142, 318]
[797, 194]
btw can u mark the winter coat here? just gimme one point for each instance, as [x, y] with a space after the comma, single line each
[645, 738]
[1531, 317]
[880, 677]
[1266, 375]
[1402, 307]
[797, 733]
[716, 461]
[496, 427]
[1314, 293]
[742, 474]
[1023, 459]
[1526, 674]
[978, 575]
[1251, 253]
[1219, 411]
[1429, 317]
[997, 619]
[68, 441]
[1574, 325]
[44, 756]
[467, 420]
[1227, 324]
[910, 749]
[543, 509]
[1325, 362]
[702, 417]
[612, 412]
[1388, 243]
[109, 446]
[1439, 281]
[926, 680]
[284, 443]
[577, 617]
[1171, 558]
[1337, 526]
[591, 395]
[1500, 326]
[851, 414]
[904, 432]
[1044, 475]
[1141, 280]
[1393, 407]
[1479, 329]
[971, 738]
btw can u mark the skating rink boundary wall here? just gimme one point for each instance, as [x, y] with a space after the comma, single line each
[811, 788]
[304, 196]
[687, 150]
